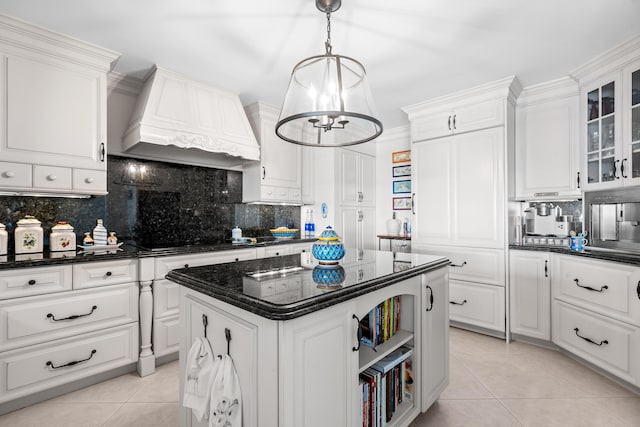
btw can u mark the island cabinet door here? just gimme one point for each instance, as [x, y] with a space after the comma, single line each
[253, 348]
[435, 335]
[319, 369]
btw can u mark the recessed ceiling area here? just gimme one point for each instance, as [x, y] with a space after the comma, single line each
[413, 50]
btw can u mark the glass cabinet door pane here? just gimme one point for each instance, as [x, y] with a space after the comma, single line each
[593, 136]
[635, 160]
[635, 88]
[593, 107]
[608, 98]
[608, 132]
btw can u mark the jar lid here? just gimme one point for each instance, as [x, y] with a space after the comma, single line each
[62, 226]
[329, 234]
[28, 220]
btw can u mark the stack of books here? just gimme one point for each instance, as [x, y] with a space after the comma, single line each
[385, 385]
[381, 323]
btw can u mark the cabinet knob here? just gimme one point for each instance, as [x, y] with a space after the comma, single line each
[9, 174]
[89, 180]
[31, 282]
[186, 266]
[108, 274]
[51, 177]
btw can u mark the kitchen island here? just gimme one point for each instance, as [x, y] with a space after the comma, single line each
[293, 330]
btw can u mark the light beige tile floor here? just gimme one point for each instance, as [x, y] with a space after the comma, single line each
[492, 384]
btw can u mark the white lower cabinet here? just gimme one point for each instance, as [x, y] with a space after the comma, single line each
[609, 344]
[477, 304]
[65, 323]
[530, 294]
[305, 371]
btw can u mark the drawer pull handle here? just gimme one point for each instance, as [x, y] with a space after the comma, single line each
[430, 298]
[72, 317]
[458, 303]
[638, 289]
[9, 174]
[589, 339]
[459, 265]
[75, 362]
[32, 282]
[359, 333]
[589, 288]
[546, 268]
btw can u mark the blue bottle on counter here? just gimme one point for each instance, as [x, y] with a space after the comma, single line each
[312, 225]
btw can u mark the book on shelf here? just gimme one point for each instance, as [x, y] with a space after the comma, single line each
[407, 379]
[381, 323]
[392, 359]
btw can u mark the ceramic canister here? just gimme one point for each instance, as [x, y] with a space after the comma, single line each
[4, 238]
[62, 237]
[28, 236]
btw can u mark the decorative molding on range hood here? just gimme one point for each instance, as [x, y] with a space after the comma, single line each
[174, 113]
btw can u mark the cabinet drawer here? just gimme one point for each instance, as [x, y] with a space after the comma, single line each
[166, 264]
[15, 175]
[90, 180]
[268, 192]
[34, 281]
[42, 318]
[40, 367]
[613, 345]
[276, 250]
[51, 177]
[166, 298]
[477, 304]
[475, 265]
[605, 287]
[104, 273]
[166, 335]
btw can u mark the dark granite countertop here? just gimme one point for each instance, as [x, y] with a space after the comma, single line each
[125, 251]
[302, 286]
[588, 252]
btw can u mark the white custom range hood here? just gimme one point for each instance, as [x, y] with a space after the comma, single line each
[182, 120]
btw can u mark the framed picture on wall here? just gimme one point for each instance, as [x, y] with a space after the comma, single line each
[401, 156]
[402, 186]
[401, 171]
[402, 203]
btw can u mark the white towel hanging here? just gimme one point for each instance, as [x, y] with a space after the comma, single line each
[226, 396]
[201, 367]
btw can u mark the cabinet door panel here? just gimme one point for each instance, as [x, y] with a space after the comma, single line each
[478, 189]
[477, 304]
[478, 115]
[368, 179]
[348, 165]
[281, 160]
[530, 294]
[64, 102]
[432, 181]
[432, 125]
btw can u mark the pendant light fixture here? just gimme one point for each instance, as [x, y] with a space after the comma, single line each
[328, 102]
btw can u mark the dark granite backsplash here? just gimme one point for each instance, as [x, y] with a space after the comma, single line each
[157, 204]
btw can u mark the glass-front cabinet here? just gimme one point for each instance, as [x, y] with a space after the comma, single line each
[603, 163]
[611, 109]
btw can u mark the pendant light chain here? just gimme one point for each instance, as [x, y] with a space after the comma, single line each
[327, 44]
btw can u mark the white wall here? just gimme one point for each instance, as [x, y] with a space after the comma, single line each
[392, 140]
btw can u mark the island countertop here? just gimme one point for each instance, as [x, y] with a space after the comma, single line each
[290, 286]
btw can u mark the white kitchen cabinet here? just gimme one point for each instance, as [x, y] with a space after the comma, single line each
[530, 294]
[610, 118]
[465, 111]
[477, 304]
[356, 178]
[357, 227]
[547, 144]
[277, 177]
[459, 187]
[435, 335]
[53, 112]
[308, 171]
[473, 264]
[65, 323]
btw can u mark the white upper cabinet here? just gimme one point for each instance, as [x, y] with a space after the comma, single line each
[610, 118]
[277, 177]
[53, 110]
[459, 188]
[356, 178]
[547, 150]
[466, 111]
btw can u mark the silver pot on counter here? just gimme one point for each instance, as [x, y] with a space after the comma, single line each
[543, 208]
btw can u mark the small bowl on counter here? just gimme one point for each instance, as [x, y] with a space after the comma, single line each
[283, 232]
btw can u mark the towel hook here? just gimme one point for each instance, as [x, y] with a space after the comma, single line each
[227, 335]
[205, 323]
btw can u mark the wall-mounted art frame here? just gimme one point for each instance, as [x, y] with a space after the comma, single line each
[401, 156]
[402, 203]
[398, 171]
[402, 186]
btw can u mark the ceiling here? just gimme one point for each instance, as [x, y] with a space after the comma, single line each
[413, 50]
